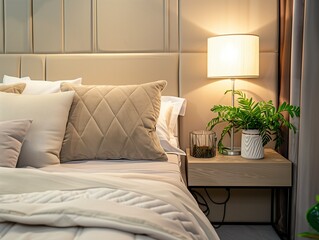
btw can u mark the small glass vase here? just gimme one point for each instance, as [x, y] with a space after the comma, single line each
[203, 144]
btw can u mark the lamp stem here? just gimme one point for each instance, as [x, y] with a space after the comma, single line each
[232, 151]
[233, 92]
[232, 104]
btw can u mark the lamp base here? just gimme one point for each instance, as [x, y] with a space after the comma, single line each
[232, 152]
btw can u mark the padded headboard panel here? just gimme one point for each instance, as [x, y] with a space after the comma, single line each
[135, 41]
[96, 68]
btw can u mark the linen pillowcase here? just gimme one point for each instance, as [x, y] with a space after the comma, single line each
[39, 86]
[164, 121]
[12, 88]
[166, 137]
[179, 109]
[11, 79]
[168, 133]
[12, 134]
[113, 122]
[49, 113]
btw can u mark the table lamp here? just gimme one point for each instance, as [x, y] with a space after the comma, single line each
[233, 56]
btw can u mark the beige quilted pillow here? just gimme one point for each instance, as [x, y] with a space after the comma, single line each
[12, 88]
[113, 122]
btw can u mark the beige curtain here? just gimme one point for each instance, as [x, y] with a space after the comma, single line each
[307, 176]
[295, 95]
[285, 38]
[299, 83]
[303, 85]
[285, 42]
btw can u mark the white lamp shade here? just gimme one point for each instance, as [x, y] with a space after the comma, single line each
[233, 56]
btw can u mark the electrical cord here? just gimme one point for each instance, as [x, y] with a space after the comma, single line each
[205, 207]
[219, 203]
[201, 202]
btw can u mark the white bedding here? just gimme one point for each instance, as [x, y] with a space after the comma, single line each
[171, 168]
[121, 200]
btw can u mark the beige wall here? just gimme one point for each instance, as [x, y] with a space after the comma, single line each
[202, 19]
[143, 30]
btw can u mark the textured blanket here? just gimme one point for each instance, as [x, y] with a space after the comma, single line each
[36, 205]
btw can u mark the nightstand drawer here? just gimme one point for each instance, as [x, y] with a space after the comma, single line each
[231, 171]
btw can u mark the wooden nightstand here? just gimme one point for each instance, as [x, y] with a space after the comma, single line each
[274, 172]
[234, 171]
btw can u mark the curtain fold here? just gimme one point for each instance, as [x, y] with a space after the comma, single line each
[295, 86]
[299, 71]
[285, 43]
[285, 39]
[308, 150]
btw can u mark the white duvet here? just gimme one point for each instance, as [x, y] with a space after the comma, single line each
[41, 205]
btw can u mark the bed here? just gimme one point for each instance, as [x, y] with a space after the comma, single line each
[86, 161]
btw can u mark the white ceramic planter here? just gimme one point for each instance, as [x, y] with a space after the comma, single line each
[251, 144]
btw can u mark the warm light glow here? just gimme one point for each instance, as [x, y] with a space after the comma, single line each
[233, 56]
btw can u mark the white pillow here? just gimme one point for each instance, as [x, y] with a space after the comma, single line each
[49, 113]
[166, 127]
[164, 121]
[40, 86]
[179, 109]
[10, 79]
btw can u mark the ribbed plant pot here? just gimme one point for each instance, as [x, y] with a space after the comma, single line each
[251, 144]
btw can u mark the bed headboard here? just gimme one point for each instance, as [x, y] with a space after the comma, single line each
[96, 68]
[135, 41]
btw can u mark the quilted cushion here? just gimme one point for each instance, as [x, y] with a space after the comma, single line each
[12, 88]
[113, 122]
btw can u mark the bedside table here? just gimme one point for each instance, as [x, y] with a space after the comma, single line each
[234, 171]
[273, 171]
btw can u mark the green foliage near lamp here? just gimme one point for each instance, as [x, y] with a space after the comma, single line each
[249, 114]
[313, 220]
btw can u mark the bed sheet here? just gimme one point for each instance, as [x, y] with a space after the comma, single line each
[171, 168]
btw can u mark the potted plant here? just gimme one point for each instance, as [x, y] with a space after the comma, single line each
[313, 220]
[262, 117]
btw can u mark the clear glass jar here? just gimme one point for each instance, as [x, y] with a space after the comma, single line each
[203, 144]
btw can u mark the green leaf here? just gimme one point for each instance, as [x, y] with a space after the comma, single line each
[309, 235]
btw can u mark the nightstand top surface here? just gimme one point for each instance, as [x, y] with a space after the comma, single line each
[271, 156]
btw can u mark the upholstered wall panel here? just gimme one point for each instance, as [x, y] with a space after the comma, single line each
[263, 21]
[78, 26]
[9, 65]
[89, 26]
[1, 28]
[172, 25]
[33, 66]
[202, 93]
[130, 25]
[116, 69]
[201, 19]
[48, 26]
[18, 26]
